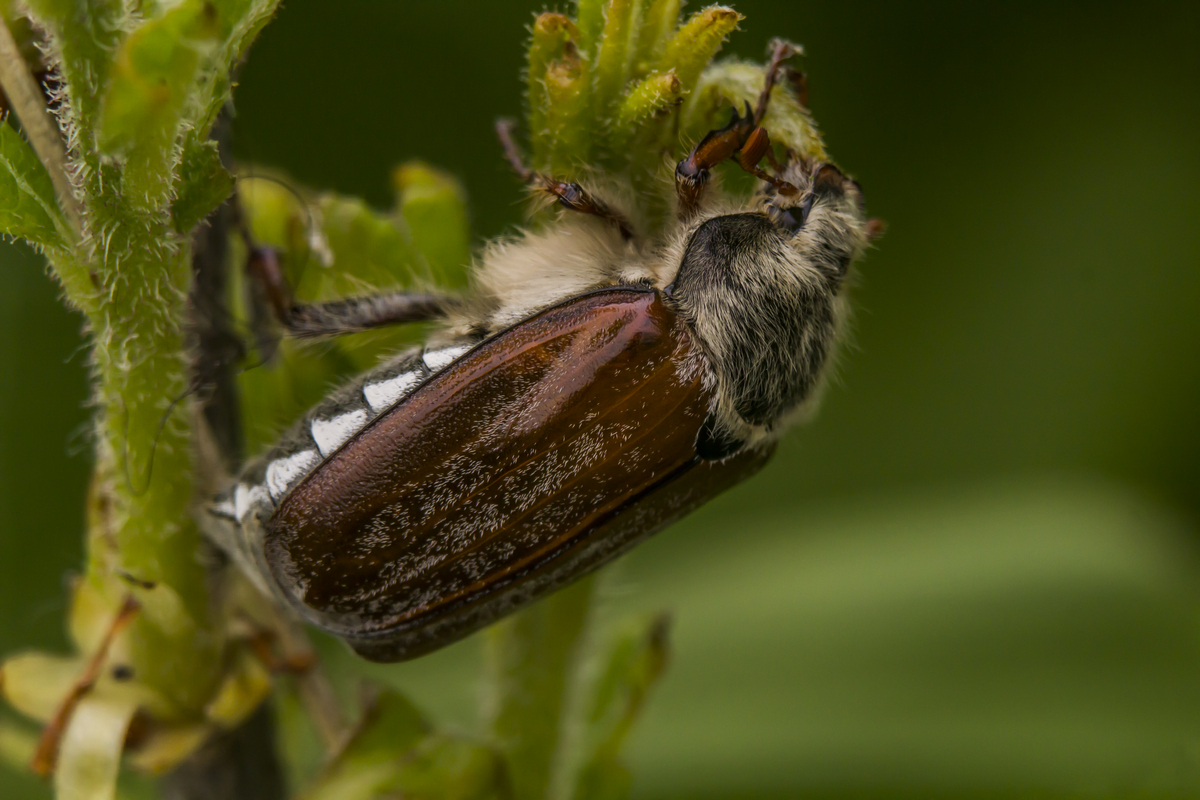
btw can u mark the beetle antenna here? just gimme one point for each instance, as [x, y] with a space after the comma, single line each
[243, 227]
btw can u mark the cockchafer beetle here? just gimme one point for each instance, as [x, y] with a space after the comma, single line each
[596, 386]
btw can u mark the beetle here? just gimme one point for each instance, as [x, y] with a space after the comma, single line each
[595, 387]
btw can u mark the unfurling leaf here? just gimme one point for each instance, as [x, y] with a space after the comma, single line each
[654, 95]
[550, 34]
[696, 42]
[89, 755]
[569, 129]
[659, 20]
[28, 208]
[204, 183]
[589, 17]
[612, 60]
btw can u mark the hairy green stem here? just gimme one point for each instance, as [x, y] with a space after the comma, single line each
[145, 432]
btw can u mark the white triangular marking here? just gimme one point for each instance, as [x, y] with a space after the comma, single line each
[330, 434]
[284, 473]
[383, 394]
[436, 359]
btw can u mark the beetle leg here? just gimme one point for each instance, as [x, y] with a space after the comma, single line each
[569, 195]
[692, 174]
[781, 51]
[744, 137]
[354, 314]
[330, 318]
[799, 82]
[758, 145]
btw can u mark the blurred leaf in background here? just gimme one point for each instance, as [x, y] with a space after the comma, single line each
[976, 571]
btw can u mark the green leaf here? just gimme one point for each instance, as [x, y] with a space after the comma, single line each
[329, 246]
[550, 34]
[589, 16]
[275, 213]
[603, 779]
[369, 250]
[85, 36]
[650, 98]
[28, 208]
[569, 126]
[658, 26]
[434, 205]
[446, 768]
[606, 91]
[393, 725]
[18, 743]
[433, 767]
[354, 248]
[241, 21]
[22, 31]
[36, 683]
[204, 184]
[152, 77]
[612, 61]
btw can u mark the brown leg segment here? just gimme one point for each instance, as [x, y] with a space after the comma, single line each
[781, 51]
[692, 174]
[743, 139]
[569, 195]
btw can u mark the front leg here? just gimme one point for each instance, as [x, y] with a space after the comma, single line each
[744, 137]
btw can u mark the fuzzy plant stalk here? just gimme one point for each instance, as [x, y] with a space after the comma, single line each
[111, 184]
[108, 187]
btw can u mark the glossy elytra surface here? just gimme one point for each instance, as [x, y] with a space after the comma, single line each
[495, 473]
[452, 486]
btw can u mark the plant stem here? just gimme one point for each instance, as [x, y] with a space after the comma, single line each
[142, 269]
[530, 660]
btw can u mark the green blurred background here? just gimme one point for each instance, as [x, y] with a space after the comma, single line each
[977, 571]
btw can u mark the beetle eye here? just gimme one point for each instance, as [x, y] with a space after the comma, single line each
[792, 219]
